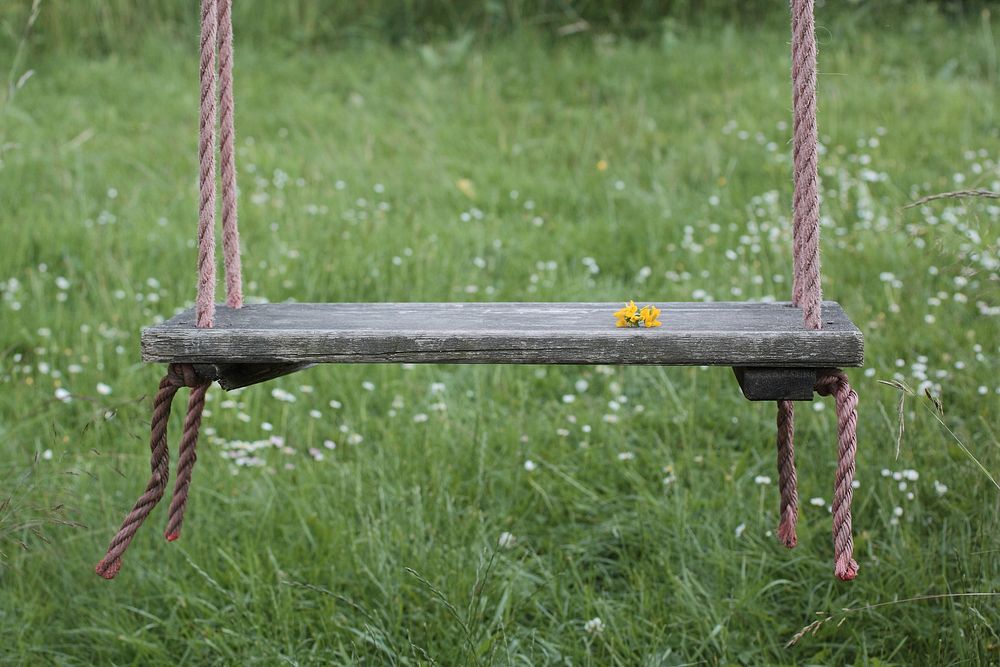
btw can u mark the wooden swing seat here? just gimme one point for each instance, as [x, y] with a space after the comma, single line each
[773, 354]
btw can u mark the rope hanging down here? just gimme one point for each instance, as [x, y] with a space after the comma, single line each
[216, 34]
[807, 294]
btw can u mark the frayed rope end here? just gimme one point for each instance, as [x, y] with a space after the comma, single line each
[846, 568]
[109, 569]
[786, 530]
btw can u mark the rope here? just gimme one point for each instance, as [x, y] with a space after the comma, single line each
[806, 289]
[177, 376]
[217, 33]
[787, 480]
[807, 294]
[834, 382]
[227, 154]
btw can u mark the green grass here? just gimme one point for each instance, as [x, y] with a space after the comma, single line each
[386, 551]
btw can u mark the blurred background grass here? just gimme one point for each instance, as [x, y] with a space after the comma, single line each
[106, 26]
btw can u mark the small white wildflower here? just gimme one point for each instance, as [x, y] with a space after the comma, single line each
[437, 387]
[739, 530]
[63, 395]
[626, 456]
[506, 540]
[940, 488]
[817, 502]
[47, 455]
[315, 414]
[594, 626]
[568, 398]
[762, 479]
[329, 444]
[282, 395]
[581, 386]
[336, 405]
[103, 389]
[897, 511]
[266, 426]
[368, 386]
[420, 418]
[911, 475]
[530, 465]
[355, 439]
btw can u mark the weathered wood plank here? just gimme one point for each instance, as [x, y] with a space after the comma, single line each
[724, 334]
[776, 384]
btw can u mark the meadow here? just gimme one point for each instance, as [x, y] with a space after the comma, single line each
[490, 515]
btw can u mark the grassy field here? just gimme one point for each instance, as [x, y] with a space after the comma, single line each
[484, 515]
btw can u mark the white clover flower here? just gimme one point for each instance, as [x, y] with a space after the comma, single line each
[739, 530]
[530, 465]
[626, 456]
[507, 540]
[594, 626]
[817, 502]
[103, 389]
[63, 395]
[762, 480]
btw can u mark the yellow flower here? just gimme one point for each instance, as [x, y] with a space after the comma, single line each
[602, 165]
[649, 315]
[626, 317]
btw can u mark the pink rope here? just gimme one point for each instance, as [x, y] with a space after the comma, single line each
[806, 289]
[787, 479]
[177, 376]
[205, 304]
[807, 294]
[217, 33]
[835, 382]
[227, 155]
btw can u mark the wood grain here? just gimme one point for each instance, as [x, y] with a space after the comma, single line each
[724, 334]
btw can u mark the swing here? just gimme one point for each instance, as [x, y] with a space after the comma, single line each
[779, 351]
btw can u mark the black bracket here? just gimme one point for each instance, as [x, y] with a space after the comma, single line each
[776, 384]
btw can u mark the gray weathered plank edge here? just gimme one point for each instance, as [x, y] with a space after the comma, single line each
[694, 334]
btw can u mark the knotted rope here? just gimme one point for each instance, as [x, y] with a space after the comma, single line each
[216, 34]
[834, 382]
[178, 375]
[807, 294]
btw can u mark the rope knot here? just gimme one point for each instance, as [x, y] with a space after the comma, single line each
[830, 381]
[184, 375]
